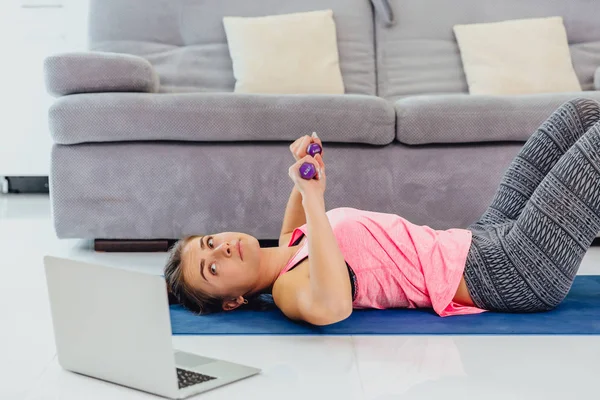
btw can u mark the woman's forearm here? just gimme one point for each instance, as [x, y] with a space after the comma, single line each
[329, 281]
[294, 213]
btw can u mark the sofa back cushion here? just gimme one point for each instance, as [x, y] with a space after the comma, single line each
[185, 39]
[419, 54]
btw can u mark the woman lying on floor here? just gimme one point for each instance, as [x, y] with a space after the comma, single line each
[521, 256]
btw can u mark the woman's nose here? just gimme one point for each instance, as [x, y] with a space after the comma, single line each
[225, 249]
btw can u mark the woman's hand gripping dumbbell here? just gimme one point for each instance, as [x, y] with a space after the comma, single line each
[309, 166]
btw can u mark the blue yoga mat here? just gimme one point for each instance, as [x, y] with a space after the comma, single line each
[579, 313]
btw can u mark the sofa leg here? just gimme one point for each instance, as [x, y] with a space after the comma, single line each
[131, 246]
[151, 245]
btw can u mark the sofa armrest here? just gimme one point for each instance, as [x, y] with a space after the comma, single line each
[89, 72]
[597, 79]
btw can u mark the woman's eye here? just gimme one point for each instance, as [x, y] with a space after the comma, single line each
[210, 242]
[213, 269]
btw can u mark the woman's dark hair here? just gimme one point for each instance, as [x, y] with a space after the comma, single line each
[196, 300]
[192, 299]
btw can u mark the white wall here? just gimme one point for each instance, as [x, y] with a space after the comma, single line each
[27, 36]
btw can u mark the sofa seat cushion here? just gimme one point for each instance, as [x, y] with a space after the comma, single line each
[463, 118]
[204, 117]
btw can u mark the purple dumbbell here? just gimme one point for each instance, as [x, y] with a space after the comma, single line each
[307, 170]
[313, 149]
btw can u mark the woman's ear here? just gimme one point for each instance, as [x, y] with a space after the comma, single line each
[231, 304]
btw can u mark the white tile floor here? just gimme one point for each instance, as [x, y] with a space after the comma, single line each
[294, 367]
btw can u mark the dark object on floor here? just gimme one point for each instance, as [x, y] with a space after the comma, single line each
[578, 314]
[27, 184]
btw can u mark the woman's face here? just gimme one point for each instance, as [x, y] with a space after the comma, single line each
[223, 265]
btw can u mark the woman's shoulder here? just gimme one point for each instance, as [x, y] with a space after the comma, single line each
[289, 288]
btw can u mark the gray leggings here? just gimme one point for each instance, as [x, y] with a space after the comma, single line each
[528, 245]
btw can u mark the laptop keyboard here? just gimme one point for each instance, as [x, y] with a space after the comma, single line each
[188, 378]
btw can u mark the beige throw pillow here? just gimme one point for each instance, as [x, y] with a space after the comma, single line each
[291, 53]
[517, 57]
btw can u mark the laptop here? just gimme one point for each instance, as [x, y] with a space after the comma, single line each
[114, 324]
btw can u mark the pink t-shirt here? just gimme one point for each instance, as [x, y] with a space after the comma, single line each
[397, 264]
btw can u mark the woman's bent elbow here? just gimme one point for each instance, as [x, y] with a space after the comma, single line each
[331, 316]
[343, 313]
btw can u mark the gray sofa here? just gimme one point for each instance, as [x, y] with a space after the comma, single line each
[151, 142]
